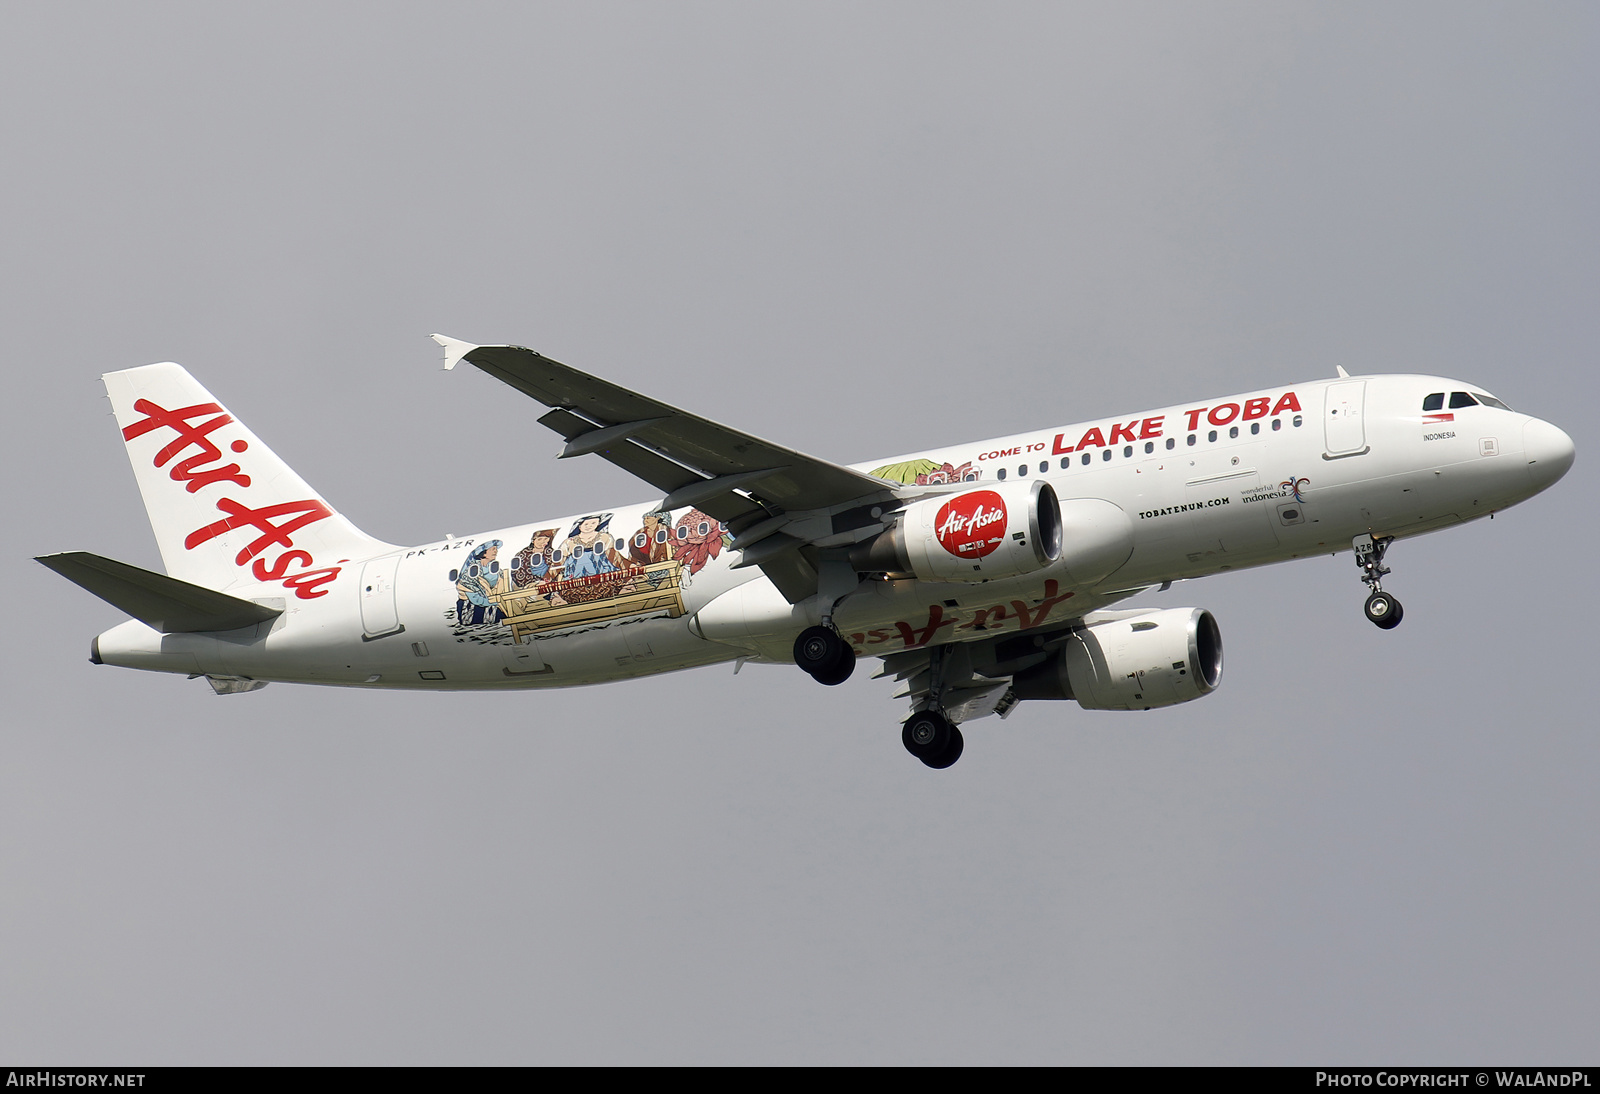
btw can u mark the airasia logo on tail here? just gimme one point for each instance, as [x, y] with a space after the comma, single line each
[195, 474]
[971, 525]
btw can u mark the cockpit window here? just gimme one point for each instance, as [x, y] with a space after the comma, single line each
[1434, 401]
[1490, 400]
[1459, 399]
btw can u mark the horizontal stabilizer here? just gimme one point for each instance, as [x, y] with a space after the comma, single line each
[165, 603]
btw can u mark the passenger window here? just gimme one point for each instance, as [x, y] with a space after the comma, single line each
[1212, 436]
[1434, 401]
[1086, 459]
[1150, 446]
[1022, 470]
[1232, 433]
[1277, 424]
[1459, 399]
[1001, 474]
[1127, 451]
[1191, 440]
[1255, 427]
[1044, 465]
[1106, 455]
[1172, 442]
[1297, 421]
[1066, 462]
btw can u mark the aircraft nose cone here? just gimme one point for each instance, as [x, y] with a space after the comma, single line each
[1550, 452]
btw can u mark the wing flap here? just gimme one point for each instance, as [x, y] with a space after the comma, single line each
[664, 474]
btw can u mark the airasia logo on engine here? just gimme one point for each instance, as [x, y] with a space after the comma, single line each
[972, 525]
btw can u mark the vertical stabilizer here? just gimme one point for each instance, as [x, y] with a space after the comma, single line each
[225, 509]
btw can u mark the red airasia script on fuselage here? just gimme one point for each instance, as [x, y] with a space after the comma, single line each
[195, 473]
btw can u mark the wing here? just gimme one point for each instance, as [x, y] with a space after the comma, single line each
[776, 501]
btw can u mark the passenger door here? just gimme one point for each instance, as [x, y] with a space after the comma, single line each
[1343, 421]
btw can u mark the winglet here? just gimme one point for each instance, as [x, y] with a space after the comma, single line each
[454, 349]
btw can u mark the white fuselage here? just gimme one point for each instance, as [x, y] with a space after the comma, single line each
[1243, 481]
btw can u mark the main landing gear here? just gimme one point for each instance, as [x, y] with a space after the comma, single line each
[1382, 608]
[827, 657]
[929, 736]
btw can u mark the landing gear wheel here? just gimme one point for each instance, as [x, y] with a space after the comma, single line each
[925, 734]
[951, 753]
[840, 670]
[818, 649]
[1384, 610]
[827, 657]
[931, 738]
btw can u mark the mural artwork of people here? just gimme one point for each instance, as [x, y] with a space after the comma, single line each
[589, 551]
[586, 578]
[477, 580]
[534, 564]
[653, 542]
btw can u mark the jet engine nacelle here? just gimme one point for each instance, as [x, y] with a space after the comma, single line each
[1133, 661]
[1003, 530]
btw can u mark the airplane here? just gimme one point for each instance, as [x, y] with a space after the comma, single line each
[981, 575]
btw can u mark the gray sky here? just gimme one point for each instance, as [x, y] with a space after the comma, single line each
[857, 229]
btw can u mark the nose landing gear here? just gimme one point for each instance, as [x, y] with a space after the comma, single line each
[1382, 608]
